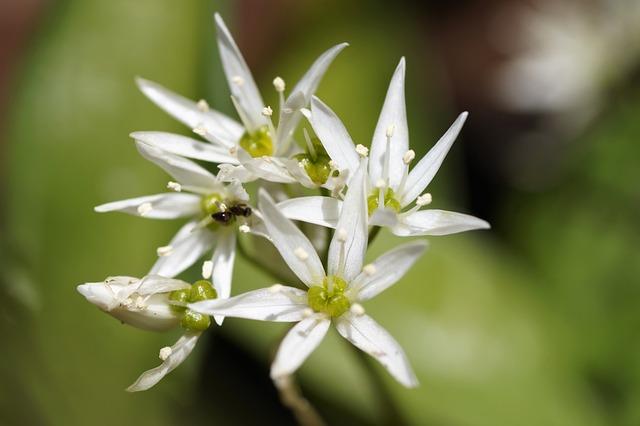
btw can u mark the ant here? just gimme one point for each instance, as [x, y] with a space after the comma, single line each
[229, 215]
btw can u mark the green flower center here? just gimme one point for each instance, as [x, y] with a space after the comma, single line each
[258, 143]
[199, 291]
[316, 163]
[329, 297]
[390, 200]
[209, 203]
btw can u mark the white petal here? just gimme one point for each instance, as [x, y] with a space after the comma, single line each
[186, 147]
[223, 258]
[387, 270]
[323, 211]
[393, 114]
[278, 303]
[163, 206]
[152, 284]
[353, 221]
[222, 128]
[239, 78]
[386, 217]
[188, 245]
[289, 118]
[421, 175]
[179, 352]
[271, 169]
[369, 336]
[289, 240]
[437, 222]
[334, 136]
[184, 171]
[231, 173]
[298, 344]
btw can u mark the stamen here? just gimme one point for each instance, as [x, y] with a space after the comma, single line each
[165, 353]
[203, 105]
[369, 269]
[362, 150]
[301, 254]
[200, 131]
[276, 288]
[139, 304]
[278, 84]
[244, 228]
[424, 199]
[174, 186]
[237, 80]
[241, 113]
[164, 250]
[267, 111]
[341, 235]
[307, 312]
[144, 208]
[390, 131]
[207, 269]
[357, 309]
[387, 153]
[233, 150]
[381, 183]
[408, 157]
[312, 150]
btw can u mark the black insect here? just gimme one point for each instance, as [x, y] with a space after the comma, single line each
[230, 214]
[241, 210]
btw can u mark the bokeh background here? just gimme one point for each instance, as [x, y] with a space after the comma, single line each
[536, 322]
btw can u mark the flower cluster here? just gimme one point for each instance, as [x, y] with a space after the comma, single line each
[361, 190]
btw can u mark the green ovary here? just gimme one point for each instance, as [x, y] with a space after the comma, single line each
[209, 203]
[389, 200]
[318, 170]
[199, 291]
[329, 297]
[258, 143]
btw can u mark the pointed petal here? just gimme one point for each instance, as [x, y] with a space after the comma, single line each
[163, 206]
[334, 136]
[243, 87]
[387, 270]
[298, 344]
[353, 223]
[222, 128]
[184, 171]
[278, 303]
[223, 258]
[423, 172]
[437, 222]
[186, 147]
[188, 245]
[323, 211]
[179, 352]
[153, 284]
[231, 173]
[370, 337]
[289, 118]
[393, 114]
[271, 169]
[384, 217]
[290, 242]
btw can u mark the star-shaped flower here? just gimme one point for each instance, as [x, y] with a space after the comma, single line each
[254, 148]
[334, 296]
[391, 187]
[155, 303]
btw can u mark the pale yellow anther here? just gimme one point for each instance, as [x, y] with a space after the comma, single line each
[408, 156]
[332, 164]
[200, 131]
[362, 150]
[174, 186]
[233, 150]
[144, 208]
[369, 269]
[164, 250]
[357, 309]
[203, 105]
[390, 130]
[381, 183]
[207, 269]
[276, 288]
[278, 84]
[165, 353]
[307, 312]
[301, 253]
[237, 80]
[424, 199]
[244, 228]
[139, 304]
[267, 111]
[341, 235]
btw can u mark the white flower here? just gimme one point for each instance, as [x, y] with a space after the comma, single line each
[392, 187]
[215, 210]
[154, 303]
[254, 149]
[334, 295]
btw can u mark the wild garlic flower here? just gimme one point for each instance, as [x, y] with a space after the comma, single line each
[334, 296]
[216, 211]
[155, 303]
[391, 187]
[254, 148]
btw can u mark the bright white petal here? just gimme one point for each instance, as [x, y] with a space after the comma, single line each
[291, 242]
[369, 336]
[239, 78]
[231, 173]
[289, 118]
[179, 352]
[387, 270]
[163, 206]
[346, 257]
[278, 303]
[186, 172]
[298, 344]
[186, 147]
[223, 258]
[271, 169]
[323, 211]
[386, 217]
[153, 284]
[188, 245]
[334, 136]
[222, 128]
[423, 172]
[393, 114]
[437, 222]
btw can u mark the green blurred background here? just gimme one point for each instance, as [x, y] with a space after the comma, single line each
[536, 322]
